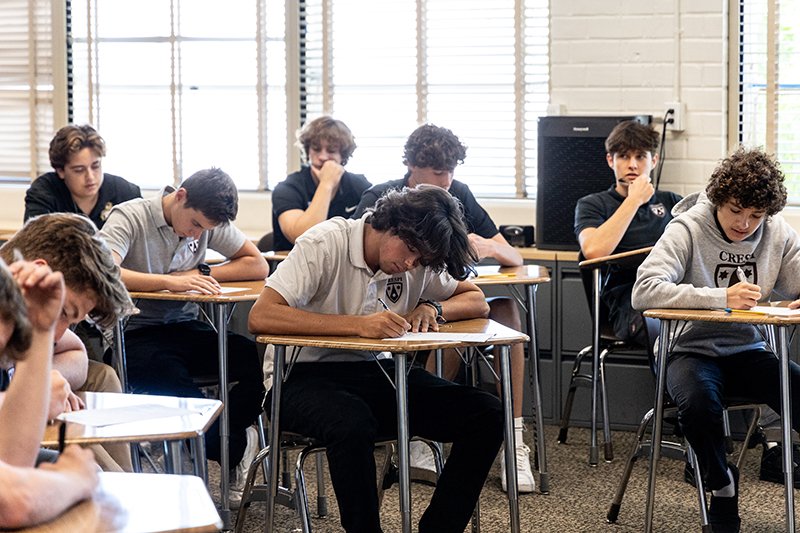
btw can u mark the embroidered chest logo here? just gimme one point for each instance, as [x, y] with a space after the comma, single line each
[193, 246]
[658, 210]
[394, 289]
[726, 274]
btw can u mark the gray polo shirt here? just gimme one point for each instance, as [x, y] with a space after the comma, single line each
[326, 273]
[139, 233]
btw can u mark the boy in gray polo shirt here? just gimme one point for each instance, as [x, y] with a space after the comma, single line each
[160, 243]
[411, 255]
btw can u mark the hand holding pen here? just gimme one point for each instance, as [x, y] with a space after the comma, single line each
[743, 295]
[384, 324]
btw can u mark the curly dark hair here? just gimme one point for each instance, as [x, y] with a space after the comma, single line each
[328, 129]
[71, 245]
[14, 311]
[212, 192]
[430, 146]
[751, 177]
[430, 220]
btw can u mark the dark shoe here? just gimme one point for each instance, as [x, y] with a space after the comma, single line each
[723, 515]
[772, 465]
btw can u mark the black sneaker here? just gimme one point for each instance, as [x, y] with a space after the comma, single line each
[772, 465]
[723, 515]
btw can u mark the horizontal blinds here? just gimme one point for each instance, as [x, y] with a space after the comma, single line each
[26, 88]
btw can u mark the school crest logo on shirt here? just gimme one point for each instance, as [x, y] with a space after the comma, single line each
[193, 246]
[726, 275]
[106, 211]
[394, 289]
[658, 210]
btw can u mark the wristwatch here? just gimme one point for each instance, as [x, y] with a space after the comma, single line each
[204, 269]
[437, 306]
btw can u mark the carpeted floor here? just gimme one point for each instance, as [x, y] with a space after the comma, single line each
[578, 499]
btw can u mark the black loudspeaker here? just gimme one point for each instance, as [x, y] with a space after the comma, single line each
[519, 236]
[572, 164]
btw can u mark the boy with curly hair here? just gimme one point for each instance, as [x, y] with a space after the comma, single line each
[732, 229]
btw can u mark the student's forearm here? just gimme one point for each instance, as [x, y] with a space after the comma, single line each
[606, 237]
[144, 282]
[507, 255]
[23, 413]
[33, 496]
[470, 304]
[248, 268]
[73, 365]
[285, 320]
[316, 212]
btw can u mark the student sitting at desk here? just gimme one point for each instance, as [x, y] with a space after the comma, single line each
[412, 249]
[31, 301]
[322, 188]
[431, 154]
[69, 243]
[160, 243]
[734, 227]
[630, 215]
[78, 184]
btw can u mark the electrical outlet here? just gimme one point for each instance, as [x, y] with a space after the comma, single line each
[677, 115]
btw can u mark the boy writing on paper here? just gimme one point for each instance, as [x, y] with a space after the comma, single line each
[432, 154]
[160, 243]
[734, 224]
[31, 300]
[411, 249]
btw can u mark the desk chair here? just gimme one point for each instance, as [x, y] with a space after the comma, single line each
[680, 450]
[265, 242]
[594, 274]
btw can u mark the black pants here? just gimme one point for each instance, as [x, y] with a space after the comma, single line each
[348, 406]
[698, 384]
[163, 359]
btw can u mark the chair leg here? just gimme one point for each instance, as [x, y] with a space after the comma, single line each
[701, 490]
[322, 498]
[248, 488]
[608, 448]
[575, 377]
[301, 497]
[726, 423]
[750, 430]
[636, 452]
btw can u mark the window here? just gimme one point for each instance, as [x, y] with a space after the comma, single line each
[767, 82]
[178, 86]
[27, 85]
[186, 84]
[386, 66]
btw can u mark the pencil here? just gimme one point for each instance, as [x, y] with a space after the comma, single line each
[62, 435]
[746, 311]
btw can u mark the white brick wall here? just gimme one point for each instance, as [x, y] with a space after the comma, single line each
[620, 57]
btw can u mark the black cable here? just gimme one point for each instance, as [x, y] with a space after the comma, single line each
[661, 150]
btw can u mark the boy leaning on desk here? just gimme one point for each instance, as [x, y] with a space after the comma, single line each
[726, 248]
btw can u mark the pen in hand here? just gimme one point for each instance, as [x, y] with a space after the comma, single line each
[380, 300]
[741, 274]
[62, 435]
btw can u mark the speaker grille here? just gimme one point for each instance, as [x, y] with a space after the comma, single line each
[572, 164]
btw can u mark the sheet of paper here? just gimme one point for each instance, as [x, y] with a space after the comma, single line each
[223, 290]
[779, 311]
[439, 336]
[123, 415]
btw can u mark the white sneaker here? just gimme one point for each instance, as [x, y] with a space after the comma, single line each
[421, 462]
[525, 480]
[238, 475]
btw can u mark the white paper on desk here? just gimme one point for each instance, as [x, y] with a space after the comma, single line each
[778, 311]
[223, 290]
[439, 336]
[123, 415]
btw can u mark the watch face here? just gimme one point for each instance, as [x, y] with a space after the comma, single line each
[204, 269]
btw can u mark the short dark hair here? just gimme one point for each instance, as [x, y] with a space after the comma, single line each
[751, 177]
[14, 311]
[71, 245]
[70, 140]
[430, 220]
[430, 146]
[328, 129]
[632, 135]
[212, 192]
